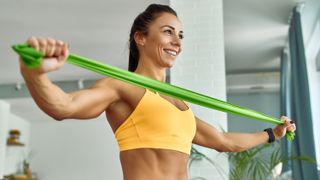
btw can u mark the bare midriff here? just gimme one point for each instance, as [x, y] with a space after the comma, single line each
[145, 163]
[154, 164]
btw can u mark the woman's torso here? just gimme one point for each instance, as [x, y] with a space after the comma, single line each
[145, 163]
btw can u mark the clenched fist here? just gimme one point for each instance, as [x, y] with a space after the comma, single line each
[280, 130]
[55, 54]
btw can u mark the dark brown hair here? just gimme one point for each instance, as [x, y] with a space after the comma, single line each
[141, 24]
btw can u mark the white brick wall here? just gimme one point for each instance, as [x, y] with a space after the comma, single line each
[201, 68]
[4, 120]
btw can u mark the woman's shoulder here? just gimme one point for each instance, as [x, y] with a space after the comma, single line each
[107, 82]
[116, 85]
[124, 92]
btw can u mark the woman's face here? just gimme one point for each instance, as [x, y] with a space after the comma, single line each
[162, 44]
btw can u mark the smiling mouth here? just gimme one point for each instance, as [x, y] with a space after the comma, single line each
[171, 52]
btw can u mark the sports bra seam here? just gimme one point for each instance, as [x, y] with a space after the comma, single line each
[136, 128]
[133, 112]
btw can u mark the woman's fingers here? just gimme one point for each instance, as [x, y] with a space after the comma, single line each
[55, 52]
[33, 42]
[42, 45]
[49, 47]
[58, 49]
[288, 124]
[285, 118]
[64, 52]
[292, 128]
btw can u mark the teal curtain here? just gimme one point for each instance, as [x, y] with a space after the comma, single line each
[300, 103]
[285, 101]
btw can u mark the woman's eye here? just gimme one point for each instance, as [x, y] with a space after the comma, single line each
[169, 32]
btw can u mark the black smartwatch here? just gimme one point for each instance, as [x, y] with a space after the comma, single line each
[271, 135]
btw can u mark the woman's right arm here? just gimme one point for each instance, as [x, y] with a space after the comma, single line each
[83, 104]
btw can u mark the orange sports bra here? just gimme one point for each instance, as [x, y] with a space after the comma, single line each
[156, 123]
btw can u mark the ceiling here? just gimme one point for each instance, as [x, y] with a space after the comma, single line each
[255, 34]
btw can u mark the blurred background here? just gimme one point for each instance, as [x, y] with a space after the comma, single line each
[236, 51]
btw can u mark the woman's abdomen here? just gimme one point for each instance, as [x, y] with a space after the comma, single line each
[154, 164]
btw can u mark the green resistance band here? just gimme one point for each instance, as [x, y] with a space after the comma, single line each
[32, 59]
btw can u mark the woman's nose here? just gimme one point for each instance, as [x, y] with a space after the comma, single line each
[176, 41]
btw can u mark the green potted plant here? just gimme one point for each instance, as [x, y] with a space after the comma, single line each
[260, 162]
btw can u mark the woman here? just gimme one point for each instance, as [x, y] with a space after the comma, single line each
[154, 132]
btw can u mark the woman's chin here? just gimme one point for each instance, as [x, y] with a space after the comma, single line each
[170, 64]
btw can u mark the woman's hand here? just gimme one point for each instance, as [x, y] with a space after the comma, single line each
[55, 54]
[280, 130]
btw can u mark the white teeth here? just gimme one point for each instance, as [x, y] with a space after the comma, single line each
[173, 53]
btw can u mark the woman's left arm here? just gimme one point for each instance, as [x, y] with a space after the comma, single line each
[209, 136]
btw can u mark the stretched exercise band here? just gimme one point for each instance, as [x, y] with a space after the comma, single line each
[32, 59]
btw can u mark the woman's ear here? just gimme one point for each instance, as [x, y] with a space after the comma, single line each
[139, 38]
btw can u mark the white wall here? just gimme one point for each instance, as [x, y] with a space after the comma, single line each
[16, 154]
[4, 116]
[201, 68]
[11, 157]
[75, 149]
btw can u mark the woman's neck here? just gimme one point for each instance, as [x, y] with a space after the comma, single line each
[151, 71]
